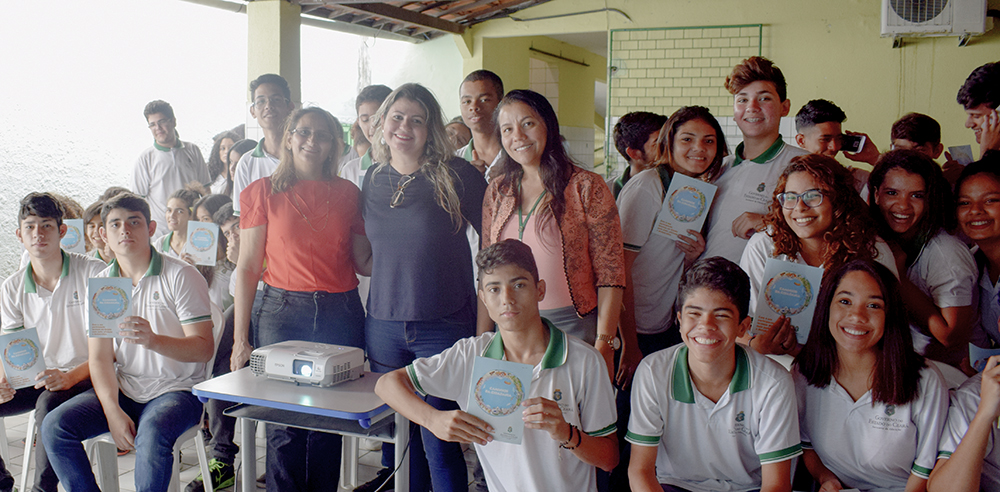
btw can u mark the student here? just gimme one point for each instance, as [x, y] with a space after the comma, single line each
[569, 412]
[366, 104]
[980, 96]
[749, 176]
[218, 276]
[142, 382]
[271, 104]
[978, 214]
[635, 137]
[218, 163]
[818, 127]
[179, 211]
[711, 414]
[870, 409]
[913, 206]
[479, 95]
[92, 219]
[915, 131]
[968, 457]
[168, 165]
[458, 134]
[816, 218]
[48, 295]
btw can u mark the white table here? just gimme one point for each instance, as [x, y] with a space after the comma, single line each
[350, 409]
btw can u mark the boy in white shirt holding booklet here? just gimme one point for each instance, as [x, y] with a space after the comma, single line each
[569, 411]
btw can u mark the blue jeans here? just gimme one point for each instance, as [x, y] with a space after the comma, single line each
[395, 344]
[299, 459]
[159, 422]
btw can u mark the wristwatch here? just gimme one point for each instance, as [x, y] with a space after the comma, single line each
[612, 340]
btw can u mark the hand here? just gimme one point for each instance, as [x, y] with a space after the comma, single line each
[832, 485]
[477, 162]
[748, 223]
[779, 339]
[609, 356]
[458, 426]
[951, 168]
[240, 355]
[630, 358]
[6, 390]
[138, 331]
[188, 258]
[692, 246]
[52, 380]
[868, 153]
[989, 389]
[122, 428]
[989, 139]
[545, 414]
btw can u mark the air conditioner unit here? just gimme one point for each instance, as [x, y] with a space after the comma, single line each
[913, 18]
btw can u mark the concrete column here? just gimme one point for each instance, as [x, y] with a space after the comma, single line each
[273, 46]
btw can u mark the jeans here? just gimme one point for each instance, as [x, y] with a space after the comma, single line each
[395, 344]
[159, 422]
[299, 459]
[221, 446]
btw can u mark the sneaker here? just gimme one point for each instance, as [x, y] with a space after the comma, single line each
[223, 476]
[376, 484]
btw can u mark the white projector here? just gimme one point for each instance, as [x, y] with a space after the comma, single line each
[312, 363]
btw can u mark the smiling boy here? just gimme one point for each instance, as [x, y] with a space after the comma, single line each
[710, 414]
[980, 97]
[271, 103]
[569, 413]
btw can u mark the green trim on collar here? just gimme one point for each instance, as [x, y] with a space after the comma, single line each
[366, 160]
[768, 154]
[30, 287]
[681, 388]
[555, 353]
[155, 265]
[258, 151]
[165, 242]
[178, 145]
[468, 150]
[741, 378]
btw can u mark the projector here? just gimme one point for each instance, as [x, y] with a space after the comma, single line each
[312, 363]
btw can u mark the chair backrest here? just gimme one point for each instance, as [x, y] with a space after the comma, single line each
[218, 325]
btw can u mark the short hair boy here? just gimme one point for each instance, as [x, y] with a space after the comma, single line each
[47, 294]
[271, 103]
[142, 382]
[751, 173]
[478, 96]
[711, 414]
[915, 131]
[980, 97]
[357, 162]
[818, 126]
[570, 411]
[635, 138]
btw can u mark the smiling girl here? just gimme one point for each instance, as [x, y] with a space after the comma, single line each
[978, 213]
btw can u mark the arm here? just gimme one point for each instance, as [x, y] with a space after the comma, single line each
[916, 484]
[776, 477]
[747, 224]
[609, 309]
[248, 270]
[396, 389]
[197, 344]
[545, 414]
[102, 373]
[631, 355]
[827, 480]
[952, 326]
[362, 250]
[868, 154]
[56, 380]
[642, 469]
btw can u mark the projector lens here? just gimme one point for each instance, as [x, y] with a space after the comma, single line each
[302, 368]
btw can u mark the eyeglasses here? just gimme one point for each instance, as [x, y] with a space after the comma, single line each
[397, 196]
[160, 123]
[810, 198]
[319, 135]
[262, 101]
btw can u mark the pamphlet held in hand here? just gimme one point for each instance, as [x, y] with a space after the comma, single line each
[496, 391]
[22, 357]
[787, 289]
[202, 242]
[109, 302]
[74, 241]
[685, 206]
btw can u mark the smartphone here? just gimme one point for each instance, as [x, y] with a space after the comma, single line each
[852, 143]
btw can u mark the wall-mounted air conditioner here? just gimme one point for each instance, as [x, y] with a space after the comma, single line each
[913, 18]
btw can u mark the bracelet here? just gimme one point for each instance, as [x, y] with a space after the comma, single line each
[569, 439]
[579, 439]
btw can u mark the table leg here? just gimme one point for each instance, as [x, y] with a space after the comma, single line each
[402, 439]
[248, 451]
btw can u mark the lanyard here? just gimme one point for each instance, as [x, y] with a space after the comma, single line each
[521, 223]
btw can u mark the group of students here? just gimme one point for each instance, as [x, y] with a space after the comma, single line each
[577, 280]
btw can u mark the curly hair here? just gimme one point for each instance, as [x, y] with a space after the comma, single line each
[852, 232]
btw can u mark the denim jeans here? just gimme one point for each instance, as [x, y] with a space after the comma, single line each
[395, 344]
[299, 459]
[159, 422]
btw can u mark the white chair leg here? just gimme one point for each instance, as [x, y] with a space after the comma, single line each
[350, 462]
[206, 476]
[29, 450]
[105, 454]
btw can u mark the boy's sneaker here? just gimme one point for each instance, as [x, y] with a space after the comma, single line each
[223, 476]
[379, 483]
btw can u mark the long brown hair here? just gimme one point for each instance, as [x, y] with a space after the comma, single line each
[284, 176]
[665, 142]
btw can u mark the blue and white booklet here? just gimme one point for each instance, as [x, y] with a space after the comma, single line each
[202, 242]
[496, 391]
[685, 206]
[978, 356]
[788, 289]
[109, 302]
[22, 357]
[74, 241]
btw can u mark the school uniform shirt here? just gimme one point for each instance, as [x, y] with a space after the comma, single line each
[869, 445]
[658, 266]
[466, 153]
[745, 186]
[252, 166]
[985, 332]
[964, 403]
[705, 446]
[171, 294]
[59, 315]
[163, 245]
[571, 373]
[953, 286]
[354, 170]
[159, 172]
[760, 247]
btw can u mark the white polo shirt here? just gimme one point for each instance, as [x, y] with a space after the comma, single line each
[745, 186]
[163, 245]
[252, 166]
[953, 286]
[985, 331]
[964, 403]
[171, 294]
[659, 264]
[572, 373]
[160, 171]
[869, 445]
[466, 153]
[60, 315]
[354, 170]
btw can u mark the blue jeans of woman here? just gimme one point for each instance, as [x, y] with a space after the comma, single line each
[299, 459]
[395, 344]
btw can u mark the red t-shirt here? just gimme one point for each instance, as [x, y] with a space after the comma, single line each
[306, 255]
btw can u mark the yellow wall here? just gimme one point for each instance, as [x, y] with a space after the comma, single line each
[826, 49]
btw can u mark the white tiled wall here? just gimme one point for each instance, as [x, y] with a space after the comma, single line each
[543, 78]
[580, 144]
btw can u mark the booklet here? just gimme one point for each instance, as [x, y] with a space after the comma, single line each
[788, 289]
[22, 357]
[202, 242]
[978, 356]
[962, 154]
[496, 390]
[74, 241]
[110, 300]
[685, 206]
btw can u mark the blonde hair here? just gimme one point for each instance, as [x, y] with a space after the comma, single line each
[284, 176]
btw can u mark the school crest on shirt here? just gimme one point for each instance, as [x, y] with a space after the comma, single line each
[156, 296]
[740, 416]
[760, 187]
[75, 301]
[76, 295]
[738, 426]
[557, 395]
[890, 410]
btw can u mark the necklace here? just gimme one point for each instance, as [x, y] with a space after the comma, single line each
[326, 218]
[521, 223]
